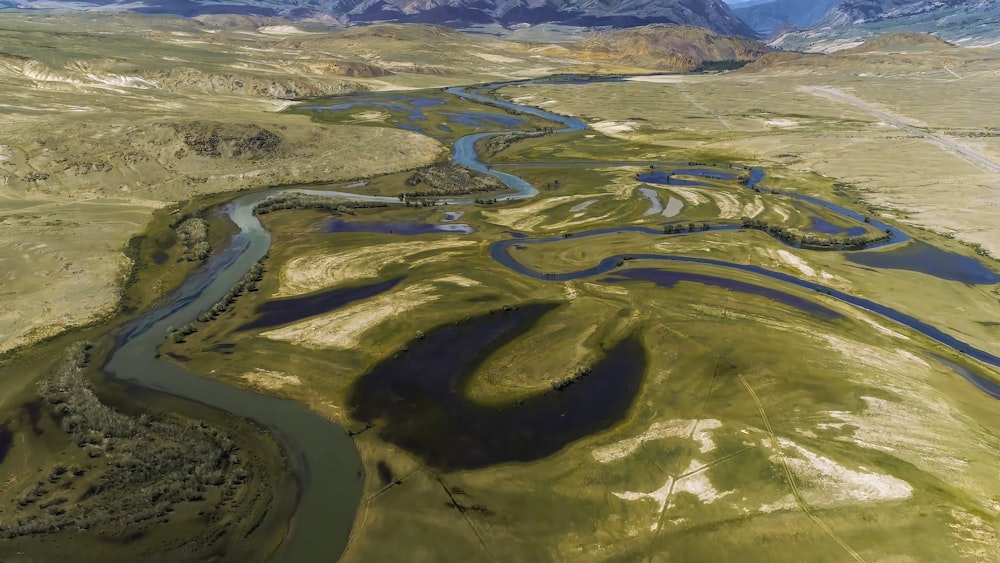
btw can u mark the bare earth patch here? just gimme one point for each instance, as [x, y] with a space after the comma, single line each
[269, 380]
[305, 274]
[345, 329]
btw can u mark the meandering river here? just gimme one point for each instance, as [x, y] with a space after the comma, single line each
[322, 456]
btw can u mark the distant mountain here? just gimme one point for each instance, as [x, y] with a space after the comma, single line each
[900, 41]
[711, 14]
[768, 16]
[854, 12]
[667, 47]
[963, 22]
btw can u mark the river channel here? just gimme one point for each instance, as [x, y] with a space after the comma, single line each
[322, 456]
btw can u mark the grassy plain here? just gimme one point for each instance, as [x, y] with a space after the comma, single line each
[855, 444]
[107, 118]
[760, 429]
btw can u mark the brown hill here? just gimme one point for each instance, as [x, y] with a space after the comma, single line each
[667, 47]
[899, 41]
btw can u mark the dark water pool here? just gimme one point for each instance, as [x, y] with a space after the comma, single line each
[666, 179]
[821, 225]
[921, 257]
[481, 119]
[705, 173]
[6, 442]
[402, 228]
[417, 400]
[669, 278]
[284, 311]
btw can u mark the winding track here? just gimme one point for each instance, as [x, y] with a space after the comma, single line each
[942, 142]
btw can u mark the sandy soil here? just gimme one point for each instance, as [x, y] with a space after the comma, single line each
[827, 482]
[312, 272]
[673, 207]
[528, 216]
[345, 328]
[269, 380]
[695, 429]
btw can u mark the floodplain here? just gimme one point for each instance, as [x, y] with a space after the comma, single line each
[657, 355]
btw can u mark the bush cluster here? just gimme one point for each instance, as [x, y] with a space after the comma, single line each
[193, 236]
[813, 241]
[142, 467]
[303, 201]
[449, 180]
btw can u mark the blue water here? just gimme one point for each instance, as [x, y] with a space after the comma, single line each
[705, 173]
[985, 385]
[821, 225]
[921, 257]
[364, 103]
[426, 102]
[666, 179]
[670, 278]
[405, 228]
[481, 119]
[499, 252]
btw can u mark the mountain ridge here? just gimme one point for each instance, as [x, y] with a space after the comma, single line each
[710, 14]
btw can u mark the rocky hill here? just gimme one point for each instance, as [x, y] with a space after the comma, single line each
[900, 41]
[861, 11]
[667, 47]
[769, 16]
[969, 23]
[710, 14]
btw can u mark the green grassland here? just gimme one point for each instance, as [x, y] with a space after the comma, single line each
[761, 431]
[760, 426]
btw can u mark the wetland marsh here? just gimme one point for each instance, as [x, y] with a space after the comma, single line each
[533, 347]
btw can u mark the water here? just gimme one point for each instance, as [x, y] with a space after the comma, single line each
[821, 225]
[670, 278]
[417, 400]
[454, 432]
[921, 257]
[323, 459]
[666, 179]
[706, 173]
[988, 386]
[401, 228]
[284, 311]
[6, 442]
[499, 251]
[480, 119]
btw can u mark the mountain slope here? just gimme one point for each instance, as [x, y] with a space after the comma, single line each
[710, 14]
[667, 47]
[769, 16]
[861, 11]
[963, 22]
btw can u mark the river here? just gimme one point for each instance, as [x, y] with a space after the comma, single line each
[322, 456]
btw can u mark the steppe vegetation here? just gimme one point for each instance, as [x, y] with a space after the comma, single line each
[770, 421]
[146, 467]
